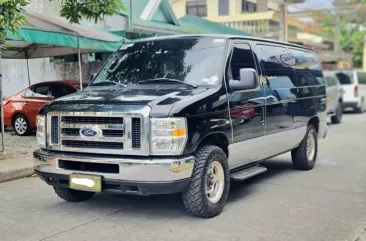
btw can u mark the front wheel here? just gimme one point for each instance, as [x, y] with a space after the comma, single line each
[208, 189]
[72, 195]
[304, 156]
[337, 118]
[21, 125]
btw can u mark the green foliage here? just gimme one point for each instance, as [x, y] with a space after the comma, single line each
[11, 17]
[75, 10]
[351, 40]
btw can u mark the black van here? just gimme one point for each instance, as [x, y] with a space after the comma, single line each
[184, 114]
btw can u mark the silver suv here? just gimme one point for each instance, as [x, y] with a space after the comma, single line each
[334, 96]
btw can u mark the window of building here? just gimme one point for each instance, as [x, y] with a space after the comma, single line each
[223, 7]
[198, 8]
[247, 6]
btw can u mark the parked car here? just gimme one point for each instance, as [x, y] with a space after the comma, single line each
[334, 97]
[354, 86]
[184, 114]
[21, 109]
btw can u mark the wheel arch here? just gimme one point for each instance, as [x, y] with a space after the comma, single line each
[218, 139]
[315, 122]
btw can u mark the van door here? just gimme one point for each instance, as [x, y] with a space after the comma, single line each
[280, 94]
[246, 110]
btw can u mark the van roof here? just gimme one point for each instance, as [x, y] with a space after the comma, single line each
[225, 36]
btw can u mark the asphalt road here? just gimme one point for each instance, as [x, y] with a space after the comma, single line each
[327, 203]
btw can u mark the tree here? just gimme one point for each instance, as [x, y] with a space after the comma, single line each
[73, 10]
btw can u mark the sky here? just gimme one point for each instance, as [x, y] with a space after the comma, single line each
[310, 4]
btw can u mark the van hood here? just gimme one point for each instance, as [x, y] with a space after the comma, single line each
[113, 98]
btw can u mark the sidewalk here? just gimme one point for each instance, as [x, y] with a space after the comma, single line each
[14, 166]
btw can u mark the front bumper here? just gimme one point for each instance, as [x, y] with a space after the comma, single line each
[126, 170]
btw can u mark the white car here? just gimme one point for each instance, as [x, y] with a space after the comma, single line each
[354, 86]
[334, 96]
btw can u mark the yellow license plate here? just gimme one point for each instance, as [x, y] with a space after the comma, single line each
[85, 182]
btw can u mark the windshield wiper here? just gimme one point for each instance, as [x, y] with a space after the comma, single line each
[108, 82]
[166, 80]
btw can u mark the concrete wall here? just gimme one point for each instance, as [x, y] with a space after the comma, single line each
[15, 77]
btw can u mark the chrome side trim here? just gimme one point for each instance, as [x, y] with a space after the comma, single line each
[130, 169]
[266, 146]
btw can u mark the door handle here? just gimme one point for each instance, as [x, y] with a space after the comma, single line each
[26, 103]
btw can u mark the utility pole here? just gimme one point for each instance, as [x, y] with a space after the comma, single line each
[283, 22]
[337, 27]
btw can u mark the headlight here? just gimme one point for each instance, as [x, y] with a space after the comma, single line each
[168, 136]
[41, 131]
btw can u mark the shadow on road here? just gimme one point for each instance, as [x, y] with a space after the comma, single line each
[171, 206]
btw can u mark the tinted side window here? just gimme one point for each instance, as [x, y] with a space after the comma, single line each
[242, 57]
[59, 90]
[308, 70]
[277, 65]
[40, 90]
[330, 81]
[361, 78]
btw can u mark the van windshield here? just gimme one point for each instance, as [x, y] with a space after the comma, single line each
[191, 61]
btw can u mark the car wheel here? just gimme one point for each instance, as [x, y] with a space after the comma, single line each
[304, 156]
[72, 195]
[361, 108]
[337, 118]
[21, 125]
[208, 189]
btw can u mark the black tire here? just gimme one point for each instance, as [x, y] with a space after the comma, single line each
[360, 109]
[72, 195]
[195, 198]
[22, 118]
[337, 118]
[300, 159]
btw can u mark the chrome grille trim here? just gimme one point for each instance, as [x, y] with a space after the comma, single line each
[123, 134]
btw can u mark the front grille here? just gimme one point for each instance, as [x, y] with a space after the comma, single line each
[54, 130]
[92, 120]
[114, 133]
[71, 131]
[136, 133]
[93, 144]
[106, 133]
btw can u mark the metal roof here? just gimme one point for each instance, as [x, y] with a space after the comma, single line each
[226, 36]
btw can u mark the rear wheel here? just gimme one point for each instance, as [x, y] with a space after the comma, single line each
[208, 189]
[21, 125]
[337, 118]
[304, 156]
[361, 108]
[72, 195]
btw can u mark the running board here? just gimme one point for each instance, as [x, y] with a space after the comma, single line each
[247, 173]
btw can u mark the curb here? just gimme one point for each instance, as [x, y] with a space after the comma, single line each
[14, 174]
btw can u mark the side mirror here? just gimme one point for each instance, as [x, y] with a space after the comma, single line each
[248, 80]
[92, 76]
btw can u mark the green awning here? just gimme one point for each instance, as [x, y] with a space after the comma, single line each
[197, 24]
[47, 36]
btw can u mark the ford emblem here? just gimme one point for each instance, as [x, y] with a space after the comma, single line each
[90, 132]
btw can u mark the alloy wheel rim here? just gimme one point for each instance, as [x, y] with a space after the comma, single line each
[21, 125]
[215, 182]
[310, 147]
